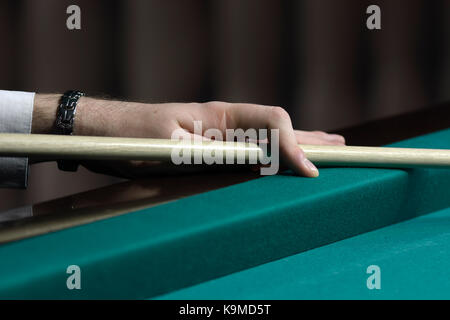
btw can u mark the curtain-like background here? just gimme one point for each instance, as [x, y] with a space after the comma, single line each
[316, 58]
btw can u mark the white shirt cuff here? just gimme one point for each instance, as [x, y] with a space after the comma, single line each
[16, 114]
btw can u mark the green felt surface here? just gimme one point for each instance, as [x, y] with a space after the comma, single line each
[203, 237]
[413, 257]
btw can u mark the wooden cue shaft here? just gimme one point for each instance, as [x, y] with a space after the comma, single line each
[109, 148]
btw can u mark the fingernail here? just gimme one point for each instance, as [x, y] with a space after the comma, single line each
[311, 167]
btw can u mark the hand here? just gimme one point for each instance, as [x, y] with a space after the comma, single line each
[126, 119]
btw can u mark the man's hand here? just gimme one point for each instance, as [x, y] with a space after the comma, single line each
[128, 119]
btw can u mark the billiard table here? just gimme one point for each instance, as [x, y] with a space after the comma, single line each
[235, 235]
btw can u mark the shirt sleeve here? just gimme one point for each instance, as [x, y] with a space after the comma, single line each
[16, 113]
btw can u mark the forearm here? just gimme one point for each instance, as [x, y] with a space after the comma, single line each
[94, 117]
[100, 117]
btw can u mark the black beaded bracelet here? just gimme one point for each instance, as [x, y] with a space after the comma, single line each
[66, 112]
[65, 122]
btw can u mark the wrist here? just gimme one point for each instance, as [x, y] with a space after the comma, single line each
[44, 113]
[83, 122]
[95, 117]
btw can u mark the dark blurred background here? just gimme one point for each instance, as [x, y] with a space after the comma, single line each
[316, 58]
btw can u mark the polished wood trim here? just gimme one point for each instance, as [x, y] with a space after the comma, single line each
[115, 200]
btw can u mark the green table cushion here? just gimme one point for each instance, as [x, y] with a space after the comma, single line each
[161, 249]
[413, 257]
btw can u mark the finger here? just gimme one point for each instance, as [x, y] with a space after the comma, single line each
[315, 140]
[247, 116]
[321, 135]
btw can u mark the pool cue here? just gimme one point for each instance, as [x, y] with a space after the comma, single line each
[109, 148]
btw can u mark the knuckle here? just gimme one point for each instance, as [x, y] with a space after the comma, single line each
[280, 114]
[208, 104]
[188, 105]
[301, 154]
[215, 104]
